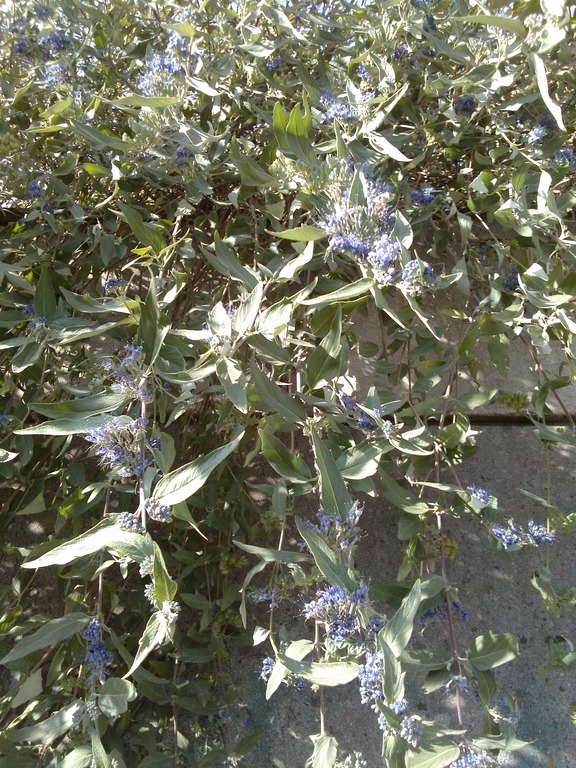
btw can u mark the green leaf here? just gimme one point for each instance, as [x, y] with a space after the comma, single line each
[154, 635]
[86, 406]
[114, 695]
[541, 79]
[386, 148]
[433, 755]
[347, 293]
[327, 563]
[360, 461]
[275, 399]
[104, 535]
[31, 688]
[226, 262]
[67, 426]
[50, 634]
[491, 650]
[285, 462]
[268, 555]
[401, 498]
[397, 632]
[392, 675]
[233, 381]
[329, 674]
[248, 311]
[45, 298]
[502, 22]
[81, 757]
[99, 757]
[153, 102]
[325, 752]
[152, 328]
[145, 233]
[302, 234]
[251, 174]
[182, 483]
[164, 586]
[47, 730]
[335, 497]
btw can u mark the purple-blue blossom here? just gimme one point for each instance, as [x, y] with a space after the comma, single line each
[270, 596]
[158, 511]
[416, 277]
[465, 105]
[472, 758]
[97, 658]
[480, 496]
[119, 444]
[335, 109]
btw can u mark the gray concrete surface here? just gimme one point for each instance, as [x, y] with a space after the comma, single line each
[495, 591]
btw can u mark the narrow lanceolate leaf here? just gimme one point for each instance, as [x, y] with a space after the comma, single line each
[182, 483]
[433, 756]
[303, 234]
[164, 585]
[269, 555]
[50, 634]
[84, 406]
[335, 498]
[347, 293]
[329, 674]
[153, 636]
[491, 650]
[398, 630]
[275, 399]
[541, 79]
[99, 757]
[46, 731]
[233, 381]
[72, 426]
[104, 535]
[327, 563]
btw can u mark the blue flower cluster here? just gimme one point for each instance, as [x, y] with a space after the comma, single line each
[158, 511]
[370, 677]
[511, 283]
[97, 658]
[411, 730]
[340, 529]
[128, 521]
[337, 607]
[472, 758]
[424, 196]
[170, 611]
[128, 374]
[361, 225]
[336, 109]
[54, 44]
[162, 76]
[267, 666]
[119, 443]
[147, 566]
[261, 595]
[113, 284]
[440, 613]
[514, 536]
[416, 277]
[480, 496]
[465, 105]
[365, 421]
[566, 155]
[334, 602]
